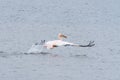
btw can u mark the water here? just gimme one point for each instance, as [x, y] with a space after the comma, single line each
[23, 23]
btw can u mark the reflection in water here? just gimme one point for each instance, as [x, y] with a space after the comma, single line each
[41, 53]
[17, 54]
[79, 56]
[1, 51]
[5, 54]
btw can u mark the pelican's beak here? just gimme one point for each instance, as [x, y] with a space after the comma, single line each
[61, 35]
[64, 36]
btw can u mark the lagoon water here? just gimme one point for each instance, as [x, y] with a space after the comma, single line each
[25, 22]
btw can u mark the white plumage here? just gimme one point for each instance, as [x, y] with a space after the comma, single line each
[57, 43]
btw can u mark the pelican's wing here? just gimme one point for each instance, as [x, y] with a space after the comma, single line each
[36, 48]
[91, 43]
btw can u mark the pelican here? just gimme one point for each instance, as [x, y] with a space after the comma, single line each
[56, 43]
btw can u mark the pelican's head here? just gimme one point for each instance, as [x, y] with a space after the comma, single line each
[61, 36]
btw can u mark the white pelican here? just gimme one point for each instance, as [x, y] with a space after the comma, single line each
[55, 43]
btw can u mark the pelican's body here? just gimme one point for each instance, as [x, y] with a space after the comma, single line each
[56, 43]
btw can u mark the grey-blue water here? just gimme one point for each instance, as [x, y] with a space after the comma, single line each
[25, 22]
